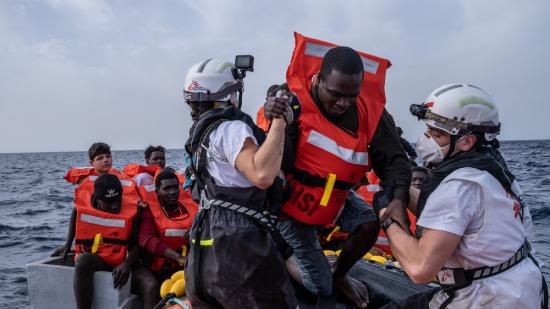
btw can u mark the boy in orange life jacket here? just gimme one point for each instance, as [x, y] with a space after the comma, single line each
[155, 157]
[104, 229]
[342, 129]
[165, 223]
[102, 161]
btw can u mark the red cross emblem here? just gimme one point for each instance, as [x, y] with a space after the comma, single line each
[516, 209]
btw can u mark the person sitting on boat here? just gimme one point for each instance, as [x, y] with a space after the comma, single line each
[155, 158]
[106, 209]
[237, 257]
[419, 176]
[101, 161]
[341, 132]
[473, 224]
[164, 225]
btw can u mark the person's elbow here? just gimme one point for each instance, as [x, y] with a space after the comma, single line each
[421, 274]
[264, 180]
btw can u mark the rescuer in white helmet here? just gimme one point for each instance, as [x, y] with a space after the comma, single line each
[473, 220]
[237, 256]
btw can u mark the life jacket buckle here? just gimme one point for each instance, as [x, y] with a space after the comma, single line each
[204, 203]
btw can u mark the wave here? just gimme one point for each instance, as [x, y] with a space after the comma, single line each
[11, 244]
[7, 228]
[540, 213]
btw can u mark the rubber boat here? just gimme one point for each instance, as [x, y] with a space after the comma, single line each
[50, 284]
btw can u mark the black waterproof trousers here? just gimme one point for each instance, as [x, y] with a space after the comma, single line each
[239, 265]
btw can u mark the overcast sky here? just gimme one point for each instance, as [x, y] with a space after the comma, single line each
[78, 71]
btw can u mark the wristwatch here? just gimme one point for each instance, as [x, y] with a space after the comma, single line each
[386, 224]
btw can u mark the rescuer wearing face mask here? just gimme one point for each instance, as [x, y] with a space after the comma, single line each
[473, 220]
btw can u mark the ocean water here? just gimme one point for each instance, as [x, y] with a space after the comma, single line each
[35, 205]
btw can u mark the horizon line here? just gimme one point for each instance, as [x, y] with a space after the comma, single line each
[63, 151]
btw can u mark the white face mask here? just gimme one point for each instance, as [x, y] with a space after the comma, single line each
[428, 149]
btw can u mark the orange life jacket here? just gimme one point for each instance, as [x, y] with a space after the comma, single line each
[330, 160]
[261, 121]
[367, 192]
[134, 169]
[76, 174]
[103, 233]
[171, 231]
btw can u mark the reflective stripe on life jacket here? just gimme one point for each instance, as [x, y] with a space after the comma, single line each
[171, 231]
[103, 233]
[76, 174]
[134, 169]
[326, 151]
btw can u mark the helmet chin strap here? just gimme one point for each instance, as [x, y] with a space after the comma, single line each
[452, 146]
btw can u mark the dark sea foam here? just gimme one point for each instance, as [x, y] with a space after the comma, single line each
[35, 205]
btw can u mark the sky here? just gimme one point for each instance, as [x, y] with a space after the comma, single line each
[73, 72]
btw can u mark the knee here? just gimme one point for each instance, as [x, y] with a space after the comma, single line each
[367, 229]
[151, 287]
[84, 262]
[145, 282]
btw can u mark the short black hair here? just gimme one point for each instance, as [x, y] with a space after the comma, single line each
[165, 173]
[149, 150]
[98, 149]
[199, 108]
[342, 59]
[420, 169]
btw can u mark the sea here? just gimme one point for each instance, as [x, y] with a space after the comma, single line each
[36, 202]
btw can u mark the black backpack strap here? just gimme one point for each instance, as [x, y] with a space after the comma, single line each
[198, 166]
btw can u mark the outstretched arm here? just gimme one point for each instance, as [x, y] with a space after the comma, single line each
[422, 258]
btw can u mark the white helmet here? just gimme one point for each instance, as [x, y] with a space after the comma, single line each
[212, 80]
[460, 109]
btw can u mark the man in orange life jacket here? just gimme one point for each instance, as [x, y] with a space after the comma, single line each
[155, 157]
[104, 226]
[332, 102]
[165, 223]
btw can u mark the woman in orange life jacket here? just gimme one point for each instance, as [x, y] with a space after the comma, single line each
[106, 211]
[164, 224]
[143, 175]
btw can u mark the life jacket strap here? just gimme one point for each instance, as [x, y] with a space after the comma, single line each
[317, 181]
[90, 242]
[457, 278]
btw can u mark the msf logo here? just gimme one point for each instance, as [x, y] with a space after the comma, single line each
[193, 86]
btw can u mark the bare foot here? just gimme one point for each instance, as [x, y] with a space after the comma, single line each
[354, 289]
